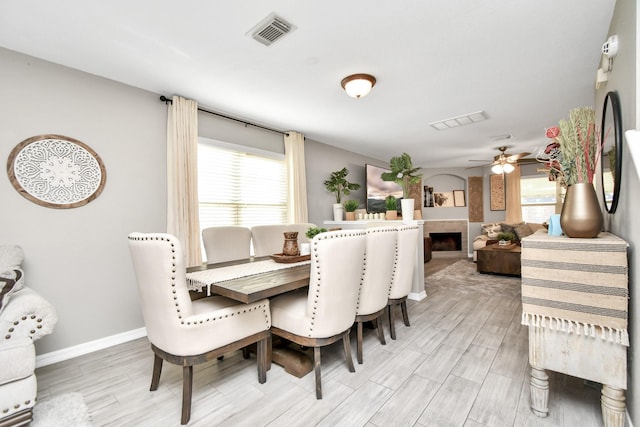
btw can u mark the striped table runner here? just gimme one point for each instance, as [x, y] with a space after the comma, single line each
[205, 278]
[576, 285]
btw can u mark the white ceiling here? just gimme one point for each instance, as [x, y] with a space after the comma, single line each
[526, 63]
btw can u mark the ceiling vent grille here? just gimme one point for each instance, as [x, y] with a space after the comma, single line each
[270, 30]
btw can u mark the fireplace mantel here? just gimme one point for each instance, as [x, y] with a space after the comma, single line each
[449, 226]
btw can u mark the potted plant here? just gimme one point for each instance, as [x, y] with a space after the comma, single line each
[403, 173]
[391, 205]
[505, 238]
[572, 157]
[350, 207]
[312, 231]
[338, 184]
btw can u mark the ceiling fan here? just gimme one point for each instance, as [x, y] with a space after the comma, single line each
[503, 162]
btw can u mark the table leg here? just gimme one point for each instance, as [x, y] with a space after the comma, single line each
[613, 406]
[539, 392]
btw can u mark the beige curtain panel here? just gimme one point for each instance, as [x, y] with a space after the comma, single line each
[182, 177]
[296, 177]
[514, 206]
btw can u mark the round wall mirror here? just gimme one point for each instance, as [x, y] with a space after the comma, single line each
[611, 161]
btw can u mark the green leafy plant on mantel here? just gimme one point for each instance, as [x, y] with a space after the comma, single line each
[338, 184]
[351, 205]
[312, 231]
[403, 173]
[391, 203]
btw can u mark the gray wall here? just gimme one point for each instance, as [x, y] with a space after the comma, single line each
[78, 259]
[624, 223]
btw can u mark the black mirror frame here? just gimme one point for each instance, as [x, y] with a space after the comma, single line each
[613, 98]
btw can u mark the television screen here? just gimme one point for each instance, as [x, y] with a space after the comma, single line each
[378, 190]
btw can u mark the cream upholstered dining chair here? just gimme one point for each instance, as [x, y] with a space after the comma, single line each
[402, 274]
[269, 239]
[325, 313]
[185, 332]
[380, 255]
[226, 243]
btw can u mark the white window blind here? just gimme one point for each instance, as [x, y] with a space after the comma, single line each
[239, 187]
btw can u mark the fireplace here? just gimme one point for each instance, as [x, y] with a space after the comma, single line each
[449, 241]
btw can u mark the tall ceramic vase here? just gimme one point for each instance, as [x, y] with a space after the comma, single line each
[581, 213]
[338, 210]
[407, 209]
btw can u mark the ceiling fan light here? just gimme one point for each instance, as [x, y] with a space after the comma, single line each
[508, 168]
[497, 169]
[358, 85]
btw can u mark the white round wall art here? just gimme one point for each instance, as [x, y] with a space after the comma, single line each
[56, 171]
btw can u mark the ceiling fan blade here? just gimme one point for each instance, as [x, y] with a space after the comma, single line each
[515, 157]
[478, 166]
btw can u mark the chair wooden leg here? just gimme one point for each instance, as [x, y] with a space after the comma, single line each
[316, 368]
[157, 370]
[405, 313]
[359, 343]
[378, 324]
[262, 360]
[246, 353]
[187, 383]
[269, 351]
[392, 326]
[346, 343]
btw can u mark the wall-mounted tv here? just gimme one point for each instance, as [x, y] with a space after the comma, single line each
[378, 189]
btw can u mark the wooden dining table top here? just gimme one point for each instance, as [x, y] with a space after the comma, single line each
[252, 288]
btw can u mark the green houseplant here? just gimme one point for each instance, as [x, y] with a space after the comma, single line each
[312, 231]
[404, 173]
[391, 205]
[338, 184]
[350, 207]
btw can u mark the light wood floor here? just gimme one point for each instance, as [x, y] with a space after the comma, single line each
[463, 362]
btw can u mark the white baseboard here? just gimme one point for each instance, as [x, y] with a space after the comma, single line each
[89, 347]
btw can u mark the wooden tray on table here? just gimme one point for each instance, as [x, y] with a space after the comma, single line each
[282, 258]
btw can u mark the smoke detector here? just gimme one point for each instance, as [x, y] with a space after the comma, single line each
[270, 30]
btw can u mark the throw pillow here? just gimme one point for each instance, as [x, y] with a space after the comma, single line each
[510, 228]
[10, 282]
[491, 229]
[522, 231]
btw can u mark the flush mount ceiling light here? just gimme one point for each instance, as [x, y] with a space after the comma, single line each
[465, 119]
[358, 85]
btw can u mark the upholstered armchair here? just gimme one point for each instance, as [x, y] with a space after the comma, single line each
[24, 318]
[185, 332]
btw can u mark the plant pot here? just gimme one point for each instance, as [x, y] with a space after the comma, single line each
[338, 209]
[391, 215]
[581, 213]
[350, 216]
[407, 209]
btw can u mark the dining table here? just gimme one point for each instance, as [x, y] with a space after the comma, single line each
[252, 279]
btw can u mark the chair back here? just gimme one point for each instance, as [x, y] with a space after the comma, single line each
[405, 261]
[336, 269]
[379, 260]
[159, 265]
[269, 239]
[226, 243]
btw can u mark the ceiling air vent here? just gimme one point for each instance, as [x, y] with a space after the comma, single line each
[270, 30]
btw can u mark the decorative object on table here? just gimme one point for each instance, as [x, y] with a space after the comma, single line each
[611, 164]
[350, 207]
[56, 171]
[338, 184]
[554, 225]
[403, 173]
[443, 199]
[391, 205]
[458, 198]
[312, 231]
[428, 197]
[505, 238]
[290, 247]
[572, 157]
[305, 249]
[497, 200]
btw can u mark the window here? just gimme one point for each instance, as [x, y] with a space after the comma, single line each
[540, 198]
[240, 186]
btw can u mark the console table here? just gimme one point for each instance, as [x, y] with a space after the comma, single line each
[574, 301]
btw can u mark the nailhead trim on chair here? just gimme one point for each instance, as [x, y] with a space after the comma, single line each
[17, 322]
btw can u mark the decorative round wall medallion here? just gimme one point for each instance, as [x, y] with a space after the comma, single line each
[56, 171]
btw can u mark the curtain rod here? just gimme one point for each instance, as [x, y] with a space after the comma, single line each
[169, 101]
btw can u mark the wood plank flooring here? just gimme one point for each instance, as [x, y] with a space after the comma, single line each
[463, 362]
